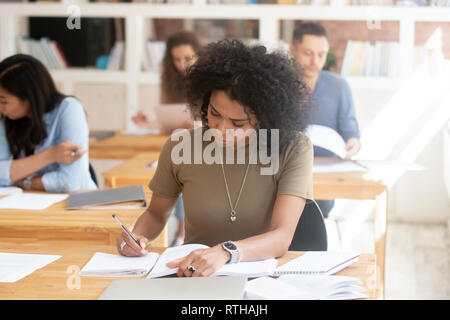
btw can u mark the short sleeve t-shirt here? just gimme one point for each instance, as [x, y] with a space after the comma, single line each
[206, 204]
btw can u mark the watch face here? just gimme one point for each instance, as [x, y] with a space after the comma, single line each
[230, 245]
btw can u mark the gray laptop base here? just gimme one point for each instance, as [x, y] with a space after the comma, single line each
[174, 288]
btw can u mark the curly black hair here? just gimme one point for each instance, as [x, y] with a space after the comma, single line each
[268, 84]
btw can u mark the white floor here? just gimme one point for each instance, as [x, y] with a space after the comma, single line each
[417, 254]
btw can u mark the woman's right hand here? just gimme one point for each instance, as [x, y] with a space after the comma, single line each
[141, 120]
[131, 248]
[66, 152]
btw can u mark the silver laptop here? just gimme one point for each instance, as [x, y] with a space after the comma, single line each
[202, 288]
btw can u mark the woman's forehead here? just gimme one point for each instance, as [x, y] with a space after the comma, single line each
[227, 106]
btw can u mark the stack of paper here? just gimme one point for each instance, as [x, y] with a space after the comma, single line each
[301, 287]
[9, 190]
[110, 265]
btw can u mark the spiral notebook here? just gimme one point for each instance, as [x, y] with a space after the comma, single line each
[318, 263]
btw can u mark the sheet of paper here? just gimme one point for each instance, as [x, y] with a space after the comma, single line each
[390, 165]
[267, 288]
[152, 165]
[141, 132]
[327, 287]
[326, 138]
[10, 190]
[342, 166]
[15, 266]
[109, 265]
[31, 201]
[170, 254]
[251, 269]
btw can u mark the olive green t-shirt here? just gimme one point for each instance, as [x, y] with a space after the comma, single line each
[206, 204]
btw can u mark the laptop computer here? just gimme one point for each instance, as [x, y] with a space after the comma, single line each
[172, 116]
[175, 288]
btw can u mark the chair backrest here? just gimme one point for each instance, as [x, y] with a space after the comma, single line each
[311, 233]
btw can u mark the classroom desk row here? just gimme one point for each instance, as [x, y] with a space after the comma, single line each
[61, 280]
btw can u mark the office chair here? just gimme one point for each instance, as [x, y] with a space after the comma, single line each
[310, 234]
[93, 175]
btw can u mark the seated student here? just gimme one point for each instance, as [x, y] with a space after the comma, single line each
[181, 53]
[331, 101]
[43, 134]
[237, 90]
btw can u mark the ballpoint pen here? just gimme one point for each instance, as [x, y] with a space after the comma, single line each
[126, 229]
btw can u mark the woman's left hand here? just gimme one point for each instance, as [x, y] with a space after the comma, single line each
[204, 261]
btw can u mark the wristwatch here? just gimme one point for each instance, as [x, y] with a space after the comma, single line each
[232, 248]
[26, 184]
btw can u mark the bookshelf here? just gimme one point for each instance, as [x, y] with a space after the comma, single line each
[274, 22]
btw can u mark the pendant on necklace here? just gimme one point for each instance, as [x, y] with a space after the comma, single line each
[233, 216]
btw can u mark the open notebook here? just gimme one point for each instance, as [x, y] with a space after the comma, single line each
[110, 265]
[318, 263]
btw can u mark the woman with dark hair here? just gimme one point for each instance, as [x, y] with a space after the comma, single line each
[237, 90]
[43, 134]
[181, 53]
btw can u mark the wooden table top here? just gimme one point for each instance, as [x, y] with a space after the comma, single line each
[58, 223]
[121, 146]
[135, 167]
[59, 280]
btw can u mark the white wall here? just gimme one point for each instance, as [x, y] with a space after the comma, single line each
[414, 116]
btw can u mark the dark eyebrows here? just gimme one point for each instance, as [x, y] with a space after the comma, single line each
[215, 110]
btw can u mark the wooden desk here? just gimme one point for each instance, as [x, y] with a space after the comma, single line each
[58, 224]
[131, 172]
[358, 186]
[336, 185]
[122, 146]
[55, 280]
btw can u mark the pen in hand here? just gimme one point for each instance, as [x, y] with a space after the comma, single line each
[131, 235]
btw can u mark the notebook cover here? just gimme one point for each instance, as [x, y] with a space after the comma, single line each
[105, 197]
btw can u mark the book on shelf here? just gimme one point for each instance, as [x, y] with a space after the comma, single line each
[45, 50]
[116, 56]
[362, 58]
[153, 56]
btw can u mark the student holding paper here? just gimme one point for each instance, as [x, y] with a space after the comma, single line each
[181, 53]
[237, 90]
[331, 102]
[43, 134]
